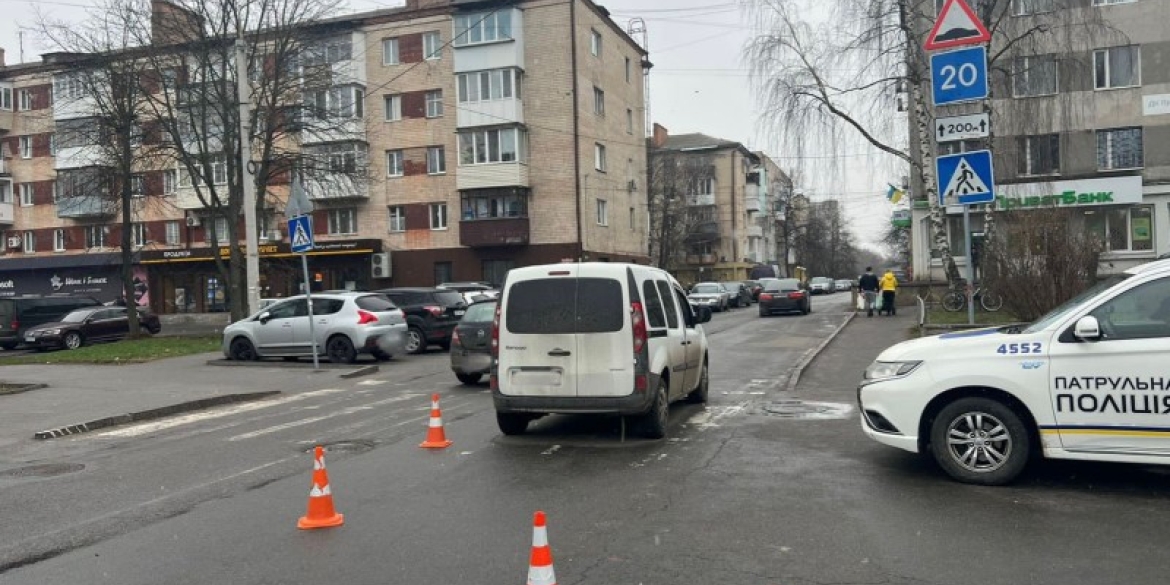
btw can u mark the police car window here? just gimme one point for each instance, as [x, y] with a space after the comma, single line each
[1140, 313]
[653, 305]
[668, 300]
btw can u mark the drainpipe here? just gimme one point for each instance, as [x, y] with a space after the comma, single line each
[576, 131]
[734, 215]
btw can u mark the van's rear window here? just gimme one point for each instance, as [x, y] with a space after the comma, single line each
[565, 305]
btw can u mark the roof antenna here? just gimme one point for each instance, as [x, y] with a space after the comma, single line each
[21, 35]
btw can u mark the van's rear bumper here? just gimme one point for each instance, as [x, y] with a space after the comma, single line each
[633, 403]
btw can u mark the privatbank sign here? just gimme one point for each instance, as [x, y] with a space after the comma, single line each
[1082, 193]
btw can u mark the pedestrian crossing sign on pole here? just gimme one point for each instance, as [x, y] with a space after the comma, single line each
[300, 233]
[966, 178]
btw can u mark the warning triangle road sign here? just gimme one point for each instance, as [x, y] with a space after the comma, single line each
[957, 25]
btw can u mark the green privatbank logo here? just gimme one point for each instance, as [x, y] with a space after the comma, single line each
[1066, 199]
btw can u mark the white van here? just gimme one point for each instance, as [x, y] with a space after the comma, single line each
[1089, 380]
[595, 338]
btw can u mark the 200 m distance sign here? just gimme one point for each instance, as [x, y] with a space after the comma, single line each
[967, 127]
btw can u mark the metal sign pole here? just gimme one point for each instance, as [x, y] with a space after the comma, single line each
[970, 265]
[309, 302]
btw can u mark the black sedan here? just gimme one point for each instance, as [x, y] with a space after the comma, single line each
[471, 347]
[88, 325]
[784, 295]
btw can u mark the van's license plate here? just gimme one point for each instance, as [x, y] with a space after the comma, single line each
[30, 339]
[459, 313]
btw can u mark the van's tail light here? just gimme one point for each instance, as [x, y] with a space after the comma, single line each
[455, 338]
[15, 325]
[765, 297]
[366, 317]
[435, 310]
[494, 378]
[638, 325]
[796, 295]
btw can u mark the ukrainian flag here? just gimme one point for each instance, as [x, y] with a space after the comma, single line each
[895, 194]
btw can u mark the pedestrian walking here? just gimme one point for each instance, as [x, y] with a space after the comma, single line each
[889, 286]
[868, 285]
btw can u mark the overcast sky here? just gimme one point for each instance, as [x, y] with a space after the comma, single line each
[699, 83]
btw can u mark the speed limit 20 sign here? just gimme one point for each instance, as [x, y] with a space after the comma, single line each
[959, 76]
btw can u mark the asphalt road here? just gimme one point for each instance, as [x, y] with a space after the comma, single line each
[758, 487]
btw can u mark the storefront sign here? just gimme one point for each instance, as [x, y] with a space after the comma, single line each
[101, 283]
[1156, 105]
[266, 251]
[1082, 193]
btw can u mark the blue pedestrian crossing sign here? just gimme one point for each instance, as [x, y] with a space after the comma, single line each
[959, 76]
[300, 233]
[966, 178]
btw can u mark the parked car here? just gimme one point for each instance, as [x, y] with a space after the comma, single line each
[472, 291]
[431, 315]
[821, 285]
[740, 295]
[844, 284]
[18, 314]
[596, 337]
[345, 325]
[784, 295]
[471, 348]
[265, 303]
[711, 295]
[88, 325]
[754, 287]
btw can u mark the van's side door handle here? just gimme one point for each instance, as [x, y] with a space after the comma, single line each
[686, 343]
[559, 353]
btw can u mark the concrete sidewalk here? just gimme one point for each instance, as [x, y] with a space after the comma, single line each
[836, 370]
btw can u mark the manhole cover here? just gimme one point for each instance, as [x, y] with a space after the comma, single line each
[345, 447]
[43, 470]
[808, 410]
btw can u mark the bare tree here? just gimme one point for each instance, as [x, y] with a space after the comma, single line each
[678, 216]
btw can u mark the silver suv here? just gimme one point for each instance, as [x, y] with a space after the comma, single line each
[346, 324]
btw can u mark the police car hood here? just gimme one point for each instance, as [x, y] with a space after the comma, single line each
[937, 346]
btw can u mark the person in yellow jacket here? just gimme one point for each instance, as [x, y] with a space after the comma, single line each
[889, 287]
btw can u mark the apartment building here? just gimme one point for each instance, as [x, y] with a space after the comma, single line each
[1078, 123]
[468, 138]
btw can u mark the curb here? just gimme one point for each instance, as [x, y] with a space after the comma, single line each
[794, 377]
[366, 371]
[122, 419]
[19, 388]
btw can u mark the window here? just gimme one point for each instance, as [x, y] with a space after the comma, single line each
[6, 98]
[436, 160]
[1142, 312]
[434, 103]
[397, 218]
[30, 242]
[53, 144]
[538, 306]
[342, 221]
[56, 192]
[668, 301]
[137, 186]
[138, 234]
[602, 212]
[26, 147]
[1117, 67]
[218, 231]
[172, 233]
[494, 203]
[1039, 155]
[432, 46]
[959, 146]
[629, 121]
[95, 236]
[483, 27]
[1119, 149]
[1123, 230]
[342, 157]
[392, 106]
[389, 51]
[599, 157]
[5, 193]
[633, 217]
[26, 194]
[1034, 76]
[628, 70]
[654, 312]
[394, 163]
[170, 180]
[1111, 2]
[594, 43]
[494, 84]
[341, 102]
[24, 99]
[58, 240]
[598, 101]
[1026, 7]
[492, 146]
[438, 216]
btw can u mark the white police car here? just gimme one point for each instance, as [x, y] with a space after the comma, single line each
[1090, 380]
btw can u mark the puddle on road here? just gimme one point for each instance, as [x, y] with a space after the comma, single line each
[359, 446]
[43, 470]
[805, 410]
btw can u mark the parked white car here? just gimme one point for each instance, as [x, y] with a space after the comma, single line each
[1089, 380]
[595, 338]
[345, 325]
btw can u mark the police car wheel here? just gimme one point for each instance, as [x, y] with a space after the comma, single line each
[980, 441]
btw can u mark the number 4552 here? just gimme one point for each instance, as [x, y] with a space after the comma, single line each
[1015, 348]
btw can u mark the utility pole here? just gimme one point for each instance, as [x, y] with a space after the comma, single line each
[252, 250]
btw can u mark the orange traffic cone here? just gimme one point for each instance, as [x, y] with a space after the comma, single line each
[436, 438]
[321, 513]
[540, 564]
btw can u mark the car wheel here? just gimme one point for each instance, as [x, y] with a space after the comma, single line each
[242, 350]
[73, 340]
[469, 379]
[980, 441]
[763, 313]
[381, 355]
[511, 423]
[653, 423]
[154, 330]
[416, 342]
[699, 394]
[340, 350]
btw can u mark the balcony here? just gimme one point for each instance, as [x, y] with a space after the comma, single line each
[704, 232]
[701, 259]
[486, 176]
[318, 131]
[493, 54]
[6, 215]
[487, 233]
[85, 206]
[703, 199]
[752, 204]
[336, 188]
[490, 113]
[755, 231]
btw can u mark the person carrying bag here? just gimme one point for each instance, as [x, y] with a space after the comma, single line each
[868, 285]
[889, 287]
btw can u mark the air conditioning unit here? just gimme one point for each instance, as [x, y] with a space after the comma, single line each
[14, 241]
[192, 221]
[380, 265]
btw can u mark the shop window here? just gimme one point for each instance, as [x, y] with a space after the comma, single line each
[1123, 230]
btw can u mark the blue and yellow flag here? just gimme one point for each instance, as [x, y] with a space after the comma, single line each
[895, 194]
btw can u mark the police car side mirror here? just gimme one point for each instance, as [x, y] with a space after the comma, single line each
[1087, 329]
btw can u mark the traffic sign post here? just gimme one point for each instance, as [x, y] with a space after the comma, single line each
[300, 235]
[962, 127]
[959, 76]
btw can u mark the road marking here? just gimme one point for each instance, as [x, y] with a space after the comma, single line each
[710, 417]
[371, 382]
[551, 450]
[313, 419]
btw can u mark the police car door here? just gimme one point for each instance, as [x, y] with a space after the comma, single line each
[1112, 395]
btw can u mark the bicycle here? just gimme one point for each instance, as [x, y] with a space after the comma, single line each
[956, 299]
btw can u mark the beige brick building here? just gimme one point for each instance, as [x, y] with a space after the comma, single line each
[492, 138]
